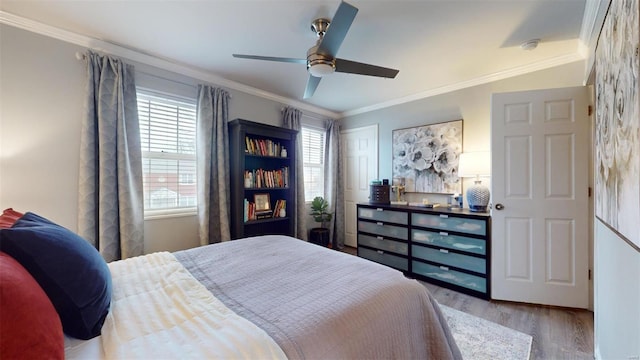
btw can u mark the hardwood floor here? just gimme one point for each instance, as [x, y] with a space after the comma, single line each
[558, 333]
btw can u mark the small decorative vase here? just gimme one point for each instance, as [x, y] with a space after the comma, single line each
[283, 213]
[478, 197]
[283, 153]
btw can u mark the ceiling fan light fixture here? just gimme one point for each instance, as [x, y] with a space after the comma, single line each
[321, 69]
[319, 65]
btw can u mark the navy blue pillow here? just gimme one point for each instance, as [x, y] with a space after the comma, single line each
[74, 275]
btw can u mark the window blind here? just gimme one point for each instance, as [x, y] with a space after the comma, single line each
[313, 147]
[168, 140]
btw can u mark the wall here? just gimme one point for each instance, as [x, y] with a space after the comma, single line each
[617, 296]
[41, 83]
[472, 105]
[42, 102]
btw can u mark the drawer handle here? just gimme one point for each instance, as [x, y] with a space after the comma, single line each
[380, 252]
[444, 268]
[379, 238]
[444, 216]
[443, 233]
[444, 251]
[379, 223]
[380, 209]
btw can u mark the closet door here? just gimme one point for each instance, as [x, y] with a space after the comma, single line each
[540, 156]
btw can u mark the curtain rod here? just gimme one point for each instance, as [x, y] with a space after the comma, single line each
[313, 116]
[82, 56]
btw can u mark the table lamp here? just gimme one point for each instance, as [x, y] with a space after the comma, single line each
[476, 164]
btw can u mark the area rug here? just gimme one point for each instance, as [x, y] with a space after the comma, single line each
[482, 339]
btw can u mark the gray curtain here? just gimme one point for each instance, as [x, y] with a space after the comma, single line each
[212, 164]
[110, 204]
[334, 182]
[291, 120]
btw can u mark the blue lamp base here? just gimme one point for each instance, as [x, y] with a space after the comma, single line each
[478, 197]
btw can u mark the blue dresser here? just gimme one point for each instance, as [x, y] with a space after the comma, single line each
[450, 248]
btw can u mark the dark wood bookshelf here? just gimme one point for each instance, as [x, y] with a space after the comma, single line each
[243, 159]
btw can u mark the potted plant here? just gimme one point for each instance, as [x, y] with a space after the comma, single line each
[320, 235]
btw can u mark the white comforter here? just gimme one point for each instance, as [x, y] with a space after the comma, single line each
[159, 310]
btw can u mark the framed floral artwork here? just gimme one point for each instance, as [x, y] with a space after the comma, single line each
[427, 156]
[617, 145]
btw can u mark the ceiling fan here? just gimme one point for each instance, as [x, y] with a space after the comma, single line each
[321, 58]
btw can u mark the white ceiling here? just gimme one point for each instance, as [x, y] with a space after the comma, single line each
[436, 45]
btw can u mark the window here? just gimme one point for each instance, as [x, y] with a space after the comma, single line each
[313, 155]
[187, 178]
[168, 139]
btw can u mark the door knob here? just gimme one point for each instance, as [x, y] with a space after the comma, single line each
[499, 206]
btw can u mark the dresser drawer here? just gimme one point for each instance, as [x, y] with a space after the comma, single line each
[446, 222]
[384, 230]
[383, 244]
[445, 257]
[445, 240]
[384, 258]
[380, 214]
[442, 273]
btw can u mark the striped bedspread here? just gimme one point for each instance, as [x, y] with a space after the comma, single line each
[159, 311]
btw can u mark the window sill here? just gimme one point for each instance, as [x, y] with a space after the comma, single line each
[167, 214]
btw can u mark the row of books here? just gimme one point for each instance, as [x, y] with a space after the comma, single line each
[280, 205]
[263, 147]
[260, 178]
[250, 212]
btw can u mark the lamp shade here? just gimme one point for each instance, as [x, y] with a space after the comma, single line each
[476, 164]
[473, 164]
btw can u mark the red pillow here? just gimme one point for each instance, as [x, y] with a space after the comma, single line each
[8, 217]
[30, 327]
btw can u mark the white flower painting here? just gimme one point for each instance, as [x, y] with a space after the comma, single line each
[427, 157]
[617, 164]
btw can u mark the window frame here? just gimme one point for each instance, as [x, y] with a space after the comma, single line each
[178, 211]
[321, 166]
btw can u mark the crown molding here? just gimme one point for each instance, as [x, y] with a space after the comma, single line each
[557, 61]
[152, 60]
[594, 12]
[592, 20]
[594, 17]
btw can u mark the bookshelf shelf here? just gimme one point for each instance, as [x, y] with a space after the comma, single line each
[265, 188]
[262, 221]
[256, 159]
[287, 159]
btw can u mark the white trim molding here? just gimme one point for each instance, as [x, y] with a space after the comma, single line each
[594, 14]
[595, 11]
[152, 60]
[541, 65]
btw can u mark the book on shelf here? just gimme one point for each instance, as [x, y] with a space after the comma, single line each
[280, 204]
[264, 215]
[251, 214]
[262, 147]
[260, 178]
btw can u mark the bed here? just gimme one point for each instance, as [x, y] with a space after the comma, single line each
[265, 297]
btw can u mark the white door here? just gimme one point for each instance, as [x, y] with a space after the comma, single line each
[360, 159]
[540, 195]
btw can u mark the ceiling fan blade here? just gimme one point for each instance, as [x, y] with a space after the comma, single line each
[312, 84]
[271, 58]
[353, 67]
[337, 30]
